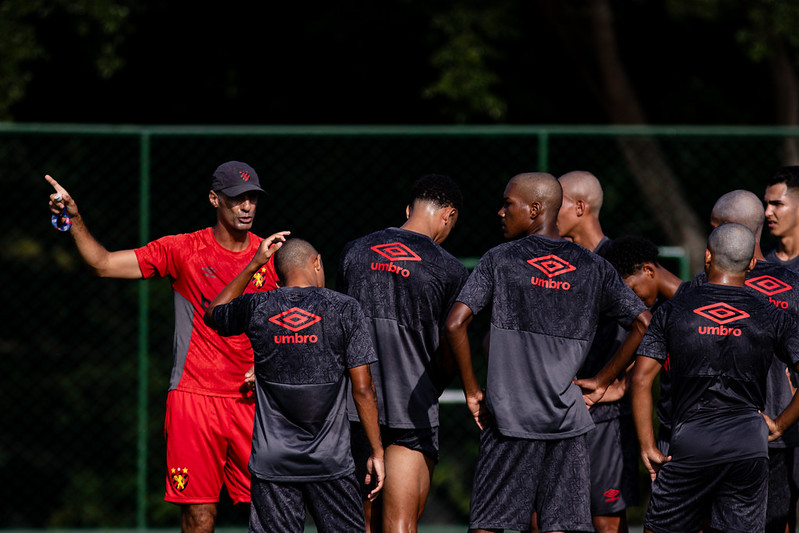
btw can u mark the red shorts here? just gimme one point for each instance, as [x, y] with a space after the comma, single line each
[208, 442]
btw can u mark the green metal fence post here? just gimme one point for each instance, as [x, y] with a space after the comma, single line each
[144, 333]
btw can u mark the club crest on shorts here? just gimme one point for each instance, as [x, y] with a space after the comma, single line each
[179, 478]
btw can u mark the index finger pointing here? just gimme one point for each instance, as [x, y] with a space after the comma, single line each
[54, 183]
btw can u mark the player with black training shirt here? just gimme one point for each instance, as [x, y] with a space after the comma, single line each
[780, 286]
[546, 295]
[307, 340]
[719, 338]
[406, 283]
[636, 259]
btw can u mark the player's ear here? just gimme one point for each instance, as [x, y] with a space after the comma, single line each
[535, 210]
[579, 207]
[213, 198]
[408, 211]
[708, 257]
[648, 270]
[751, 265]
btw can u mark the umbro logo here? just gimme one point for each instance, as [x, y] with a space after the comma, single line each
[768, 285]
[394, 251]
[552, 266]
[612, 495]
[720, 313]
[295, 319]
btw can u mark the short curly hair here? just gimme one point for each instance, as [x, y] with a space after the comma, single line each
[787, 175]
[439, 189]
[629, 253]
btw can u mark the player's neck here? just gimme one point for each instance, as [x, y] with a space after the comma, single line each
[418, 225]
[589, 236]
[668, 283]
[235, 241]
[718, 277]
[788, 247]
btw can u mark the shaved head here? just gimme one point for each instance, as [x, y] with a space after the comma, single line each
[539, 187]
[742, 207]
[582, 185]
[732, 247]
[295, 254]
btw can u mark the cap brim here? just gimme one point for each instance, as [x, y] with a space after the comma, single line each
[241, 189]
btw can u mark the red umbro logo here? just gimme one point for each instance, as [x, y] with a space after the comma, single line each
[768, 285]
[612, 495]
[721, 313]
[244, 175]
[295, 319]
[396, 251]
[552, 265]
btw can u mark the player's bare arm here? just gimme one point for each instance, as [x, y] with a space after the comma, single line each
[787, 418]
[365, 396]
[457, 323]
[119, 264]
[236, 288]
[594, 388]
[644, 373]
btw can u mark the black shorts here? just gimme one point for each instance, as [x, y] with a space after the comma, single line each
[335, 506]
[423, 440]
[515, 477]
[613, 451]
[782, 491]
[733, 495]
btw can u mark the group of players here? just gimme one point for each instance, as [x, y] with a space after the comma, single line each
[291, 394]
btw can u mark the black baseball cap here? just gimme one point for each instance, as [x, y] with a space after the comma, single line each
[234, 178]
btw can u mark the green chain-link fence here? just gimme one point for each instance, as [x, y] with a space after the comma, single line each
[85, 361]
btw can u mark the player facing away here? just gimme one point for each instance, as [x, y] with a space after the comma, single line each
[782, 215]
[612, 446]
[636, 259]
[406, 283]
[210, 407]
[309, 342]
[779, 286]
[720, 339]
[546, 295]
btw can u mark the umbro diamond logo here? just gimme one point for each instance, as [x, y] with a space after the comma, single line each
[552, 265]
[721, 314]
[295, 319]
[768, 285]
[396, 251]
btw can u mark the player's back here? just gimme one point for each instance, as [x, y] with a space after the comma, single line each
[720, 341]
[406, 284]
[546, 296]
